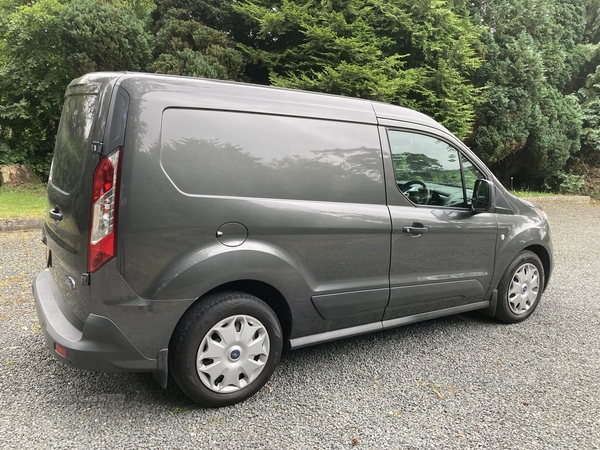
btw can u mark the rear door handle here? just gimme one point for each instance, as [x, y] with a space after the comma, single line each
[416, 229]
[55, 214]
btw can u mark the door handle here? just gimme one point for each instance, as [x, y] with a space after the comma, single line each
[416, 229]
[55, 214]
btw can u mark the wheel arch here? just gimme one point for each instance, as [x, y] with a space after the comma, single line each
[544, 256]
[263, 291]
[518, 236]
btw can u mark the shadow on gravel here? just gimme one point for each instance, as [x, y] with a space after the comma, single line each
[425, 332]
[110, 391]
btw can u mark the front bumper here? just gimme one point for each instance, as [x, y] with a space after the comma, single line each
[101, 346]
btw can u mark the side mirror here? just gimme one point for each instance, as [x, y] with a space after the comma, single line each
[483, 196]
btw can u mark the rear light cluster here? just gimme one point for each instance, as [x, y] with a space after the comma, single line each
[103, 220]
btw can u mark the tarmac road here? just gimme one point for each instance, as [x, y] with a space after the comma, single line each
[458, 382]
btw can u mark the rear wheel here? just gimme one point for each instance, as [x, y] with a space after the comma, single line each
[225, 349]
[520, 288]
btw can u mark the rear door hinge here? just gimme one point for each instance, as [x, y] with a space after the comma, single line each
[96, 147]
[85, 279]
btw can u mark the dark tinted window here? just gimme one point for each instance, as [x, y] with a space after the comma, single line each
[73, 141]
[253, 155]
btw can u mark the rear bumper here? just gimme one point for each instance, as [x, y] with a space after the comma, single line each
[101, 346]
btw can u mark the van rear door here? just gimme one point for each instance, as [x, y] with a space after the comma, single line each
[66, 224]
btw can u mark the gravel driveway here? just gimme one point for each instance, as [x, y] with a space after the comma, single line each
[459, 382]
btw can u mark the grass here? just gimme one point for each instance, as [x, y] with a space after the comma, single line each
[23, 202]
[26, 202]
[533, 194]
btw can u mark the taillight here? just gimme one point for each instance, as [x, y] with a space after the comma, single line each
[103, 216]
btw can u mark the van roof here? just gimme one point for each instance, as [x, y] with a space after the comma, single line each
[235, 96]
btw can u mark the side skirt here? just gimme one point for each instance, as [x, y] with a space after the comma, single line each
[328, 336]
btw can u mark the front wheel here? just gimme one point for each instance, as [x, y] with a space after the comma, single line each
[520, 288]
[225, 349]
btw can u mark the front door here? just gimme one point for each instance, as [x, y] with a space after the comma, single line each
[442, 253]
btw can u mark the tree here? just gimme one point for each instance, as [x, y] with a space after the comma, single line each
[45, 45]
[587, 87]
[592, 29]
[102, 36]
[589, 101]
[528, 128]
[33, 76]
[195, 38]
[187, 47]
[413, 54]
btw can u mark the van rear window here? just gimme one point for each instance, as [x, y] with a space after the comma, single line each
[73, 140]
[264, 156]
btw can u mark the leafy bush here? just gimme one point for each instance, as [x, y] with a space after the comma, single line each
[45, 44]
[566, 183]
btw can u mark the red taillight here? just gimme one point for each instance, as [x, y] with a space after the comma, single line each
[104, 176]
[103, 215]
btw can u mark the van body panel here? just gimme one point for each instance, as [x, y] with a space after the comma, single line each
[114, 136]
[99, 345]
[293, 195]
[348, 304]
[112, 297]
[458, 249]
[318, 241]
[162, 92]
[390, 114]
[288, 243]
[522, 232]
[69, 188]
[419, 298]
[304, 248]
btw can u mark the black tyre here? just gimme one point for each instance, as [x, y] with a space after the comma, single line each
[225, 349]
[520, 288]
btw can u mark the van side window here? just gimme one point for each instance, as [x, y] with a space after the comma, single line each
[235, 154]
[472, 174]
[431, 172]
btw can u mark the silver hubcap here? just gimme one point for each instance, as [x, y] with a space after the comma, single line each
[523, 289]
[233, 353]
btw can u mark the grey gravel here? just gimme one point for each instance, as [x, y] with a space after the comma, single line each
[459, 382]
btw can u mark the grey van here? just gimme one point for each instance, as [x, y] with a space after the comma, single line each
[201, 228]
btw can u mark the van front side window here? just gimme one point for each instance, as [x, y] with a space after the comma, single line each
[428, 170]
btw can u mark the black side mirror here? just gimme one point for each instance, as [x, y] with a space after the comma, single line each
[483, 196]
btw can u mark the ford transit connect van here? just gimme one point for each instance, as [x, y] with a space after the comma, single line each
[200, 228]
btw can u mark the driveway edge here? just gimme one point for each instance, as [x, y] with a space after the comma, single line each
[559, 199]
[20, 224]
